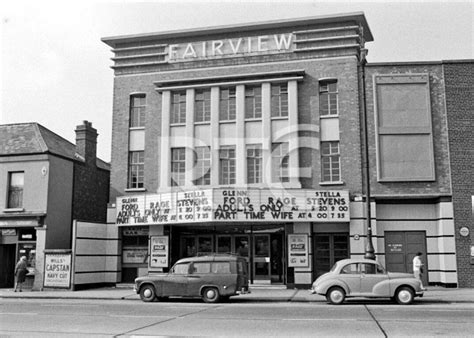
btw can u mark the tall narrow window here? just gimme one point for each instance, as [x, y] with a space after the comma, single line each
[227, 165]
[203, 166]
[279, 100]
[178, 108]
[227, 104]
[15, 189]
[280, 162]
[136, 169]
[137, 110]
[178, 166]
[328, 98]
[253, 102]
[202, 105]
[254, 163]
[330, 161]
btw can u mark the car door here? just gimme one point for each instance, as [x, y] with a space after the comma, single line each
[176, 282]
[372, 274]
[349, 275]
[200, 274]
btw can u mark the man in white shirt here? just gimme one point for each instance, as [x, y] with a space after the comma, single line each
[418, 268]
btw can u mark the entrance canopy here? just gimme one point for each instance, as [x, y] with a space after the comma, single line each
[234, 205]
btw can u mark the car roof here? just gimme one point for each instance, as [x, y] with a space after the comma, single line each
[356, 260]
[210, 258]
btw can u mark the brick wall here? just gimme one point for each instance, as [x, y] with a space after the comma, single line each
[459, 79]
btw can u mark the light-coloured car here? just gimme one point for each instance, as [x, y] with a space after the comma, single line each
[366, 278]
[212, 278]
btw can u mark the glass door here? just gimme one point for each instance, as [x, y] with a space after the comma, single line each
[261, 259]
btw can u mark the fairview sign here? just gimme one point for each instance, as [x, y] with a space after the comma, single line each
[263, 44]
[234, 205]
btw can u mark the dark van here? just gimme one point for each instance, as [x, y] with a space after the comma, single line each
[212, 278]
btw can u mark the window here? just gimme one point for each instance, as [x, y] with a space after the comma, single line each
[136, 169]
[227, 104]
[227, 165]
[403, 128]
[328, 98]
[16, 181]
[202, 165]
[253, 102]
[202, 268]
[330, 161]
[254, 163]
[181, 269]
[369, 269]
[280, 162]
[178, 166]
[350, 269]
[280, 100]
[202, 106]
[178, 108]
[221, 267]
[137, 110]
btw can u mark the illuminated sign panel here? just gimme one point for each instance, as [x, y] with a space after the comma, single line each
[234, 205]
[252, 45]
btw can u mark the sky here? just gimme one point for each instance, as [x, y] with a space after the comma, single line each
[55, 70]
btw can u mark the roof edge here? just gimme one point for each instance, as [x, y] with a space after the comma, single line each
[243, 27]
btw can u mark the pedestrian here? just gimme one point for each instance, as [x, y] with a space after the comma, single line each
[20, 273]
[418, 268]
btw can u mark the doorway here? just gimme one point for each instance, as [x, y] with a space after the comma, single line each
[400, 249]
[328, 249]
[7, 265]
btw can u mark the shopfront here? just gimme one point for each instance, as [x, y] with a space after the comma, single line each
[253, 223]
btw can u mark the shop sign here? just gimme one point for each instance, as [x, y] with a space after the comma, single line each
[57, 270]
[135, 231]
[298, 250]
[134, 256]
[159, 246]
[242, 46]
[8, 232]
[234, 205]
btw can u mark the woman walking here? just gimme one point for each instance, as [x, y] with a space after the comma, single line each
[20, 273]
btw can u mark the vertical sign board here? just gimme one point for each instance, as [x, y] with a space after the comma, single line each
[57, 270]
[298, 250]
[159, 246]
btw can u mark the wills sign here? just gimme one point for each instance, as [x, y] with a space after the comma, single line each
[252, 45]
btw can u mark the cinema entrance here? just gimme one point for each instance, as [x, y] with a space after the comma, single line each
[263, 247]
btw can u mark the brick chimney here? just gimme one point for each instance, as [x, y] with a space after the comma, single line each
[86, 142]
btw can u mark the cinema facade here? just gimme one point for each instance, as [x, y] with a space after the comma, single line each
[267, 140]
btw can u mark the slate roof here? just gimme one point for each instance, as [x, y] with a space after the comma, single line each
[33, 138]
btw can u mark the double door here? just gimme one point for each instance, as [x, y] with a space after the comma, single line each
[328, 249]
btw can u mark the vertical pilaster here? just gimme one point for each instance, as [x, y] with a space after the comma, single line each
[241, 158]
[266, 134]
[293, 142]
[165, 161]
[215, 144]
[189, 138]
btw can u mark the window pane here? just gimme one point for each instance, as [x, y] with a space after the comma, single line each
[137, 110]
[328, 98]
[136, 169]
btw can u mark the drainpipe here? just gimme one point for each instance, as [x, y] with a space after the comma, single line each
[369, 247]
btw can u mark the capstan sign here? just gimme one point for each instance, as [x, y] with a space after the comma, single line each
[234, 205]
[252, 45]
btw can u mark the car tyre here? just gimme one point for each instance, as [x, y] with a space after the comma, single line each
[147, 293]
[336, 295]
[210, 295]
[404, 295]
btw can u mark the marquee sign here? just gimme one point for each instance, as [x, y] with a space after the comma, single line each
[252, 45]
[234, 205]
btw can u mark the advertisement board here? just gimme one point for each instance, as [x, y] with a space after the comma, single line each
[57, 270]
[298, 250]
[159, 249]
[234, 205]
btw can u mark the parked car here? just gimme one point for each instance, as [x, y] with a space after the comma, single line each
[213, 278]
[366, 278]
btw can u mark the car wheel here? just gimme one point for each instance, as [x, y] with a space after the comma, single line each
[404, 295]
[335, 295]
[147, 293]
[210, 295]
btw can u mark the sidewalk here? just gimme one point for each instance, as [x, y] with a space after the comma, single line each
[434, 294]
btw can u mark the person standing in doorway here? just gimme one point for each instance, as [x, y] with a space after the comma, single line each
[20, 273]
[418, 268]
